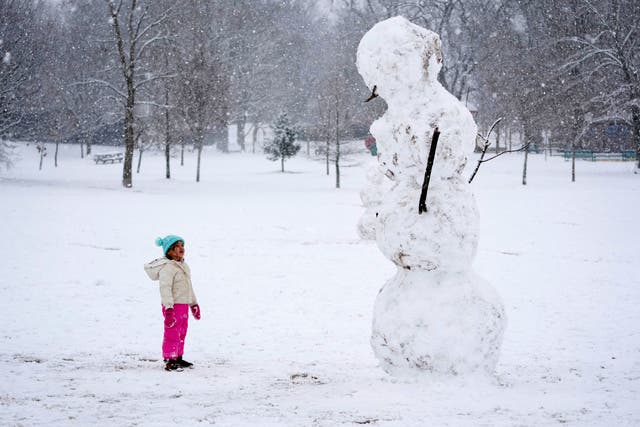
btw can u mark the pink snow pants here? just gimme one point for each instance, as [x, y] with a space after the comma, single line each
[173, 342]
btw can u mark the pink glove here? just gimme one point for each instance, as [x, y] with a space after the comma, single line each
[195, 310]
[169, 318]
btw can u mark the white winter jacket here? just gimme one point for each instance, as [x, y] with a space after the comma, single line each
[175, 281]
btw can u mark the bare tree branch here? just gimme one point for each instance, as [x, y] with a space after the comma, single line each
[154, 24]
[102, 83]
[154, 104]
[149, 42]
[155, 78]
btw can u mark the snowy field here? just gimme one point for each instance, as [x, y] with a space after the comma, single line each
[287, 287]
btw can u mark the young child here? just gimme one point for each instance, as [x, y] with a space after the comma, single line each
[176, 294]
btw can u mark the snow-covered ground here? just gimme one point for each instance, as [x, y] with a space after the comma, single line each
[287, 288]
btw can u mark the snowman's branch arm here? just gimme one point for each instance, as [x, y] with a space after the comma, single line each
[480, 161]
[422, 204]
[484, 149]
[486, 138]
[524, 147]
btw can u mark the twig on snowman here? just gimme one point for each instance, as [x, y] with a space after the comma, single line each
[422, 205]
[482, 160]
[373, 95]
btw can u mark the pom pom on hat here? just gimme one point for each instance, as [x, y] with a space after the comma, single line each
[168, 241]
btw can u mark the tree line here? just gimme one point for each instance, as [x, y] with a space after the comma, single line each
[182, 72]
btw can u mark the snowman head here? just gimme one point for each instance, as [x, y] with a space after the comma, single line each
[396, 55]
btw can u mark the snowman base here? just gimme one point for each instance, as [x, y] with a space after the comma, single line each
[440, 323]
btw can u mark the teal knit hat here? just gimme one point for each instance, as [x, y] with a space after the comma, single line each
[168, 241]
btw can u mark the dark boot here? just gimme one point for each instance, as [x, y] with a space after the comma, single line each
[183, 363]
[172, 365]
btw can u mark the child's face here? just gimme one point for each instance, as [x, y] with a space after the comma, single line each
[176, 252]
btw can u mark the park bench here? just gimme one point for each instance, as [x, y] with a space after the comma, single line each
[108, 158]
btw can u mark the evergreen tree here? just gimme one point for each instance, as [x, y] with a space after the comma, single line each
[283, 145]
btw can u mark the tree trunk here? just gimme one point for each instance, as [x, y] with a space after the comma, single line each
[55, 154]
[198, 164]
[81, 147]
[337, 149]
[199, 143]
[167, 156]
[635, 120]
[530, 137]
[167, 134]
[573, 163]
[182, 152]
[338, 166]
[282, 164]
[140, 150]
[42, 154]
[524, 168]
[128, 69]
[129, 140]
[254, 138]
[525, 138]
[327, 153]
[545, 144]
[89, 143]
[498, 138]
[242, 120]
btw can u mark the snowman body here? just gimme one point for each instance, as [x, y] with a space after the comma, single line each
[371, 197]
[435, 315]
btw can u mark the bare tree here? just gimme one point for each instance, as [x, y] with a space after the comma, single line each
[78, 55]
[266, 52]
[20, 61]
[203, 86]
[139, 31]
[609, 58]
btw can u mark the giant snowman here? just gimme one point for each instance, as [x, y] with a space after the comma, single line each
[435, 315]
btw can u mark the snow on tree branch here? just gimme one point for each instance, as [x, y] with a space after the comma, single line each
[155, 78]
[102, 83]
[154, 24]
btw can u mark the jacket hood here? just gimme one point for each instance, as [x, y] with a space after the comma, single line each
[153, 268]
